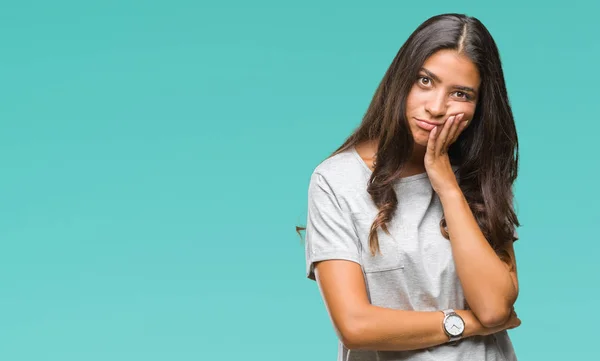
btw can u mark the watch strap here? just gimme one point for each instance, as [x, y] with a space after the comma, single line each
[448, 312]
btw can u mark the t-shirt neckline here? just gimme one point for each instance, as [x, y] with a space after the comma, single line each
[401, 180]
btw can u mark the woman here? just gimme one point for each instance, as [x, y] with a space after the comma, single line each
[410, 222]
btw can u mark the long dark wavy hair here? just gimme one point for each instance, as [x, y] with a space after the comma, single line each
[486, 152]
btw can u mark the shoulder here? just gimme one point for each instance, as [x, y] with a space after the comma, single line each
[341, 175]
[340, 169]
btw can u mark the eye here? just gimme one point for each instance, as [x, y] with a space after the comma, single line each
[462, 95]
[423, 80]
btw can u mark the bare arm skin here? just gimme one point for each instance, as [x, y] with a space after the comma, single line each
[360, 325]
[490, 285]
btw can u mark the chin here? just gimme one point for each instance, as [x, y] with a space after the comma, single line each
[421, 137]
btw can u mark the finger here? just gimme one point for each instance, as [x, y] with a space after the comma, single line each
[431, 141]
[513, 324]
[451, 131]
[461, 127]
[454, 130]
[439, 144]
[443, 134]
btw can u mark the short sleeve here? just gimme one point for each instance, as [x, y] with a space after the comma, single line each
[329, 231]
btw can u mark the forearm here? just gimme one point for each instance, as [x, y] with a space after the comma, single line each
[485, 279]
[385, 329]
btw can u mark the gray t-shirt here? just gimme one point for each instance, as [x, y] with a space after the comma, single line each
[415, 270]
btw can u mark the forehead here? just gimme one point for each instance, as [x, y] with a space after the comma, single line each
[453, 68]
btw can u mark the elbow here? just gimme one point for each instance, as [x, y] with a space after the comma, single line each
[494, 316]
[351, 337]
[352, 334]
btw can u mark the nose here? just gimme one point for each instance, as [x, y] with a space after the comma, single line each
[436, 105]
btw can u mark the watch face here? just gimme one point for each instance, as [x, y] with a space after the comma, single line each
[454, 325]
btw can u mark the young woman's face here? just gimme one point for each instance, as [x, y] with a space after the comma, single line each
[447, 84]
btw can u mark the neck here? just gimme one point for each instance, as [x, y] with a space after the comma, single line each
[416, 163]
[417, 159]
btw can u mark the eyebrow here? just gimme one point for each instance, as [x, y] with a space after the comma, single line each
[437, 79]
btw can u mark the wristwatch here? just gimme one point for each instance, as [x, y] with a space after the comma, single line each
[453, 325]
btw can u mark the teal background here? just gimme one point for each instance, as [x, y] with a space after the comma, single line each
[155, 158]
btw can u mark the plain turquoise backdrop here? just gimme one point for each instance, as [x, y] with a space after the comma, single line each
[155, 158]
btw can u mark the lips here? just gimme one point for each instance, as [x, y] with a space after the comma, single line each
[426, 125]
